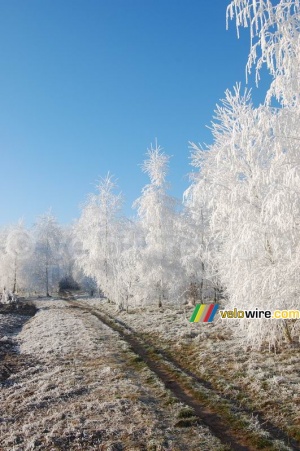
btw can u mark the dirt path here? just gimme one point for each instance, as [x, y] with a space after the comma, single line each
[84, 388]
[192, 391]
[88, 381]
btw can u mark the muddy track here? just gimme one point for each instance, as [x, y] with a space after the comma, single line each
[171, 373]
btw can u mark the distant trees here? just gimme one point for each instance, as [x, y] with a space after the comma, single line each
[238, 228]
[35, 260]
[16, 246]
[19, 247]
[132, 261]
[68, 283]
[45, 268]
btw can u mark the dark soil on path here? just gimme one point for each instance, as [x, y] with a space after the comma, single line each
[14, 316]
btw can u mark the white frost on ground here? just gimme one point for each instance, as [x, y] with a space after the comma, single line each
[267, 381]
[79, 391]
[55, 329]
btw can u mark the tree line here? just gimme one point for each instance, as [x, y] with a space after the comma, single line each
[235, 235]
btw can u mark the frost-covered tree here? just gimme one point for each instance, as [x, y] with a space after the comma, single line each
[45, 270]
[198, 243]
[96, 235]
[275, 36]
[130, 265]
[252, 173]
[67, 253]
[16, 246]
[157, 217]
[19, 247]
[254, 184]
[274, 33]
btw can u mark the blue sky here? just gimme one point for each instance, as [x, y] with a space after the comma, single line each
[86, 86]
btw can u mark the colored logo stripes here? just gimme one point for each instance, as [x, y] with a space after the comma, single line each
[204, 313]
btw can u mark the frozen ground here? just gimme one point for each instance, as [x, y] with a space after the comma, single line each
[262, 381]
[80, 387]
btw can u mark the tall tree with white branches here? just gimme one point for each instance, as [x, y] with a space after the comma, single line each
[45, 272]
[96, 234]
[157, 214]
[16, 246]
[252, 173]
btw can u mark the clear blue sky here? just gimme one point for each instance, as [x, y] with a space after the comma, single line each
[87, 85]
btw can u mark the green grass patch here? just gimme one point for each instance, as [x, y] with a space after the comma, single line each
[186, 413]
[186, 422]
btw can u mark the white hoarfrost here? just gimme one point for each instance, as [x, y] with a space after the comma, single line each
[77, 388]
[252, 174]
[56, 330]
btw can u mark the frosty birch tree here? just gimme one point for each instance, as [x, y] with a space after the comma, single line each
[127, 265]
[198, 244]
[275, 37]
[252, 170]
[45, 263]
[253, 178]
[19, 247]
[16, 247]
[96, 231]
[156, 212]
[274, 33]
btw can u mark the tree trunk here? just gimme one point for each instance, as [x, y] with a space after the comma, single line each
[47, 281]
[202, 282]
[159, 302]
[215, 297]
[47, 265]
[288, 332]
[15, 278]
[160, 296]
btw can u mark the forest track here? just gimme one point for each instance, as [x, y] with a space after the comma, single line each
[191, 390]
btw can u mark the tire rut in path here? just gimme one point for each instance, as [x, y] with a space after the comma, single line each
[274, 431]
[218, 426]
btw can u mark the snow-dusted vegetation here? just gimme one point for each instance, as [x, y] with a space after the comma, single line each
[236, 233]
[234, 239]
